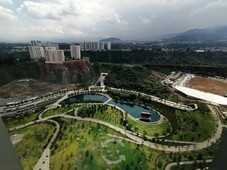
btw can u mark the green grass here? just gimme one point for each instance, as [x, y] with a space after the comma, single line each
[10, 123]
[109, 115]
[79, 147]
[207, 153]
[33, 143]
[114, 116]
[57, 111]
[150, 129]
[194, 126]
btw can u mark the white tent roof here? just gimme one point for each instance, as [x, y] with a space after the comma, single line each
[213, 98]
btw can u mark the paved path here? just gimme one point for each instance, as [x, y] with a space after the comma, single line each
[170, 165]
[44, 161]
[167, 148]
[188, 148]
[159, 100]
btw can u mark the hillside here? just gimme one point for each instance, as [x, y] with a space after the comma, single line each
[112, 40]
[207, 34]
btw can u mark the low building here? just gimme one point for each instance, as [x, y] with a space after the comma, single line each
[145, 116]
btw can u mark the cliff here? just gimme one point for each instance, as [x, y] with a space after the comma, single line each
[75, 71]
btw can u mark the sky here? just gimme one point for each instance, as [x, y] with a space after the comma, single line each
[91, 20]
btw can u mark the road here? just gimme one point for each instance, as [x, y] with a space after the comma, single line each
[170, 165]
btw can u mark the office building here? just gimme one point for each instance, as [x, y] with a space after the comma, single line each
[75, 52]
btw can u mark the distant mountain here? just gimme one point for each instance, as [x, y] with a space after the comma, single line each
[112, 39]
[208, 34]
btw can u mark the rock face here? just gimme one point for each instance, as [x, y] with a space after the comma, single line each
[75, 71]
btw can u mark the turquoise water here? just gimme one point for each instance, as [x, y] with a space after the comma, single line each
[133, 109]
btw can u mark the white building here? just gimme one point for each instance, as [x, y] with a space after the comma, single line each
[52, 45]
[75, 51]
[94, 46]
[50, 48]
[109, 46]
[36, 52]
[36, 43]
[54, 56]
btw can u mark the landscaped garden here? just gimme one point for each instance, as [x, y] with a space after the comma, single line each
[57, 111]
[82, 145]
[195, 126]
[112, 115]
[31, 146]
[10, 123]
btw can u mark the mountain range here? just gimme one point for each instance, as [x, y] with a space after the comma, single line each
[207, 34]
[112, 40]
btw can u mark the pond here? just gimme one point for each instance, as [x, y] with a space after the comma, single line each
[133, 109]
[86, 97]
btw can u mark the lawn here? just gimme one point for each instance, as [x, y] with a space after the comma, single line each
[79, 147]
[207, 153]
[102, 112]
[57, 111]
[33, 143]
[115, 117]
[151, 129]
[10, 123]
[195, 126]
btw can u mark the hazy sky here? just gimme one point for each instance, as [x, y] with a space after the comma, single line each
[78, 20]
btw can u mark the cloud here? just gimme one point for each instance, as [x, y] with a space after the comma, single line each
[6, 13]
[126, 19]
[78, 18]
[40, 10]
[6, 1]
[146, 21]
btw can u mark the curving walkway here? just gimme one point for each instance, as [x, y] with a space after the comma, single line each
[44, 161]
[159, 100]
[187, 148]
[171, 164]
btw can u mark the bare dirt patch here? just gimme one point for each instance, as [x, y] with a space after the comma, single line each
[29, 88]
[211, 85]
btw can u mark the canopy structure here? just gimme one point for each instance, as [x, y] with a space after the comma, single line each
[212, 98]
